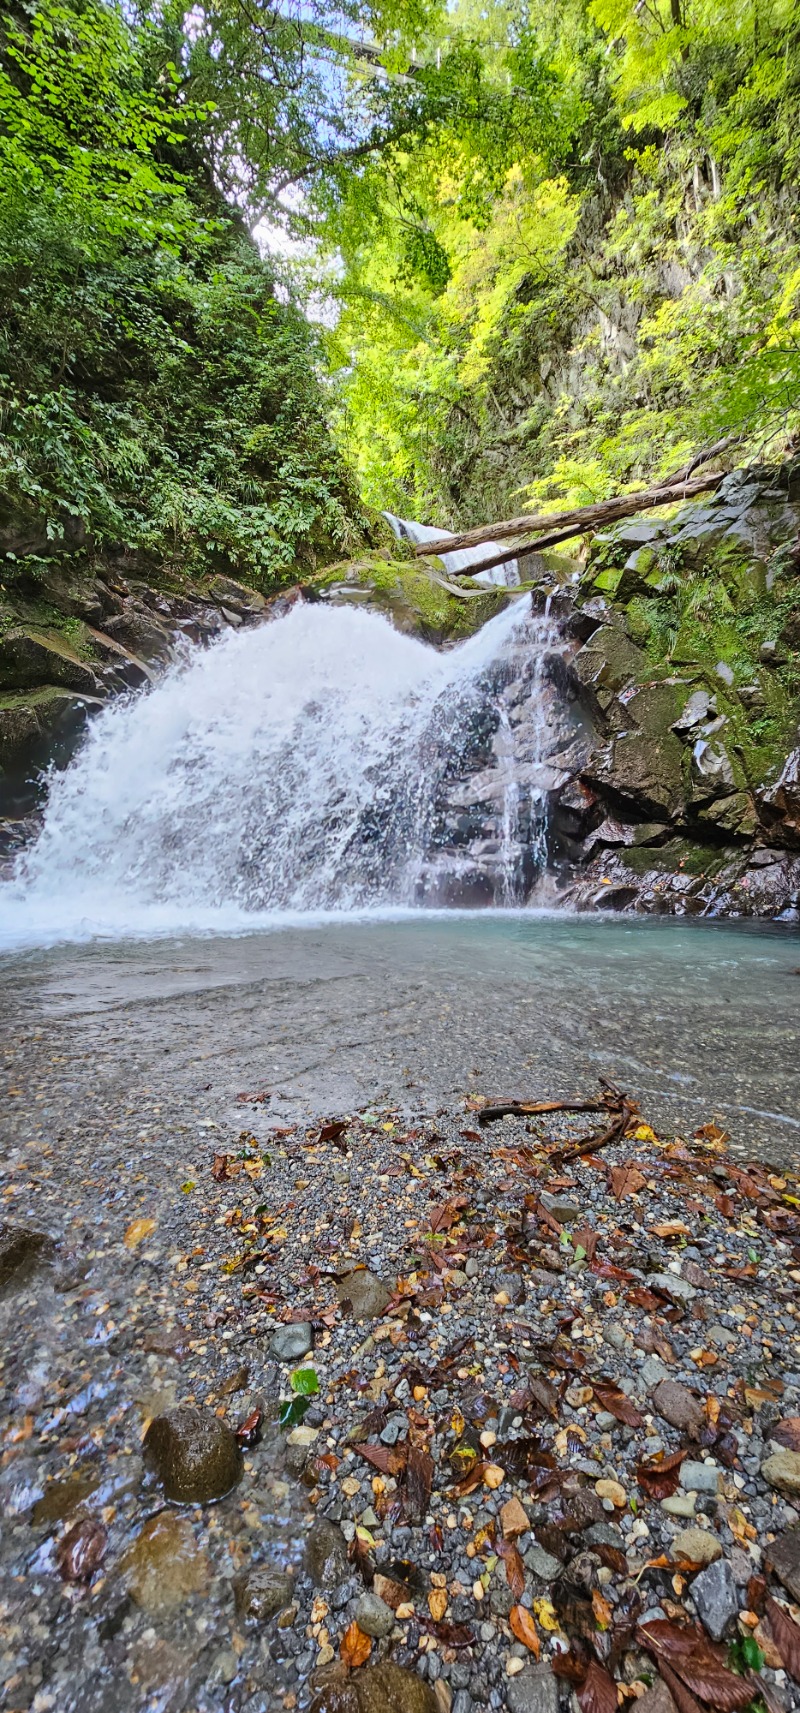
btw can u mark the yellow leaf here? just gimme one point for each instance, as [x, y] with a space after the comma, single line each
[137, 1231]
[643, 1133]
[546, 1615]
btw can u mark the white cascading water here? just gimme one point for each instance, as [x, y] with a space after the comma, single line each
[293, 767]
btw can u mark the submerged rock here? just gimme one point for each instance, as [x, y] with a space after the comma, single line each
[384, 1688]
[164, 1565]
[326, 1559]
[21, 1251]
[262, 1591]
[194, 1455]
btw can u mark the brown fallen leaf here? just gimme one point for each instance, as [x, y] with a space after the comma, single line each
[356, 1646]
[626, 1180]
[331, 1131]
[248, 1432]
[419, 1480]
[660, 1477]
[787, 1636]
[698, 1663]
[383, 1457]
[598, 1692]
[82, 1550]
[524, 1628]
[610, 1398]
[787, 1432]
[671, 1228]
[515, 1569]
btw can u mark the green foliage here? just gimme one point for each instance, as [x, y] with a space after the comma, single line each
[155, 397]
[612, 204]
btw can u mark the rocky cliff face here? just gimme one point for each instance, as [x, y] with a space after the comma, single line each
[664, 735]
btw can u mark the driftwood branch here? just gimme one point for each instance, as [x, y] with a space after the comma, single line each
[620, 1108]
[559, 526]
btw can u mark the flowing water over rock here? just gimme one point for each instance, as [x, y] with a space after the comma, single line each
[318, 762]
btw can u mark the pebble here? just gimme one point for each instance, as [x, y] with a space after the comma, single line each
[680, 1505]
[699, 1477]
[716, 1598]
[696, 1546]
[782, 1470]
[373, 1616]
[290, 1343]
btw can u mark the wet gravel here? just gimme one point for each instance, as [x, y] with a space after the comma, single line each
[486, 1328]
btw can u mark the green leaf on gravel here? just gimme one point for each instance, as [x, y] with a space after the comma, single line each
[293, 1411]
[304, 1381]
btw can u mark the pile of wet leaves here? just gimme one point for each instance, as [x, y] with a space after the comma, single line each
[422, 1415]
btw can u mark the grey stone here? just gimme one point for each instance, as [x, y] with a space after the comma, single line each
[678, 1406]
[715, 1597]
[325, 1556]
[719, 1335]
[680, 1505]
[605, 1421]
[396, 1428]
[262, 1591]
[615, 1335]
[657, 1699]
[367, 1294]
[289, 1343]
[194, 1454]
[563, 1211]
[534, 1690]
[699, 1477]
[651, 1371]
[542, 1564]
[673, 1286]
[472, 1269]
[373, 1616]
[783, 1555]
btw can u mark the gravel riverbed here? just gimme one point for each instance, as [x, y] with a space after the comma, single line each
[540, 1443]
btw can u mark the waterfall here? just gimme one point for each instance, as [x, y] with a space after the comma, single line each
[313, 763]
[503, 576]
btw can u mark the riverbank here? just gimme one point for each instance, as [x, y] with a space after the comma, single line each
[493, 1329]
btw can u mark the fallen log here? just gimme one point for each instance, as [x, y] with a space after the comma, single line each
[566, 524]
[525, 1108]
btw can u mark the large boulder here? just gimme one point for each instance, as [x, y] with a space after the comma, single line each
[384, 1688]
[779, 804]
[30, 656]
[194, 1455]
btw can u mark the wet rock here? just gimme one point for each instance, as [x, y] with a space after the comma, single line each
[514, 1287]
[64, 1495]
[782, 1470]
[367, 1294]
[21, 1250]
[164, 1565]
[680, 1505]
[716, 1599]
[678, 1406]
[783, 1557]
[236, 595]
[373, 1616]
[384, 1688]
[326, 1558]
[289, 1343]
[194, 1454]
[696, 1546]
[533, 1690]
[262, 1591]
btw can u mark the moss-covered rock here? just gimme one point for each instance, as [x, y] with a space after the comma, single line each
[414, 593]
[29, 657]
